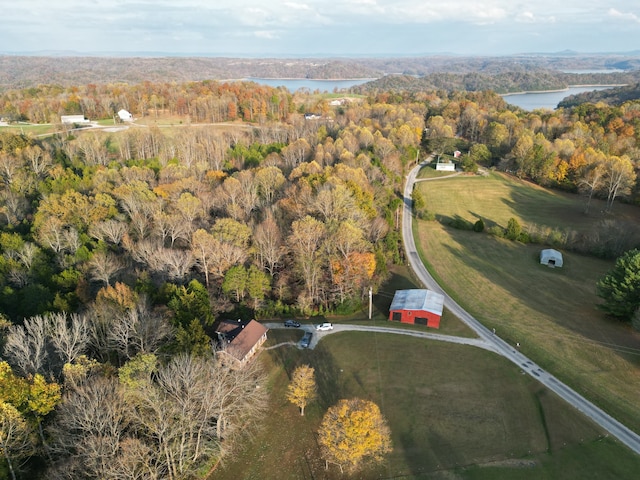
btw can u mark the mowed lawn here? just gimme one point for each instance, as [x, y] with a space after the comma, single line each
[454, 412]
[550, 312]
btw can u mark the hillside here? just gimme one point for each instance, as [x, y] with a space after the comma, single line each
[614, 96]
[502, 74]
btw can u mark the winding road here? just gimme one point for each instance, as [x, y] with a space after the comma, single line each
[495, 343]
[486, 338]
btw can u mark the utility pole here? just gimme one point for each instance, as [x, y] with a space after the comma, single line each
[370, 302]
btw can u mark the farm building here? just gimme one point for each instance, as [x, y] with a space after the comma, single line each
[125, 116]
[240, 339]
[445, 166]
[417, 306]
[71, 119]
[551, 257]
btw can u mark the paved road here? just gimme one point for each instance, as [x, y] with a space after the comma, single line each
[486, 338]
[318, 335]
[614, 427]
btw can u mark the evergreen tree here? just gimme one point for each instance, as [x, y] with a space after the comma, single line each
[620, 287]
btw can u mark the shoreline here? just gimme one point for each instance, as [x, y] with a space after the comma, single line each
[524, 92]
[250, 79]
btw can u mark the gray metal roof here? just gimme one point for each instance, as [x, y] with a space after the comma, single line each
[418, 299]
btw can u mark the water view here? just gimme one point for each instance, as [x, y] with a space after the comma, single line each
[294, 84]
[549, 100]
[528, 100]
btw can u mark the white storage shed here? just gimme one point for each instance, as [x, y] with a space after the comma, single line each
[551, 257]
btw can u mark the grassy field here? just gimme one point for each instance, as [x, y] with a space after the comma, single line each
[550, 312]
[28, 129]
[458, 412]
[446, 418]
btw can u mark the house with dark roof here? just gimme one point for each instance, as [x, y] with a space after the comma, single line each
[240, 339]
[417, 306]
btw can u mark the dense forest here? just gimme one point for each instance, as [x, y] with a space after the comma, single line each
[517, 79]
[513, 73]
[121, 247]
[613, 96]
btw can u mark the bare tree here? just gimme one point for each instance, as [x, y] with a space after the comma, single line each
[619, 178]
[249, 197]
[109, 230]
[103, 266]
[269, 180]
[138, 330]
[50, 234]
[378, 229]
[136, 461]
[69, 335]
[173, 263]
[172, 226]
[26, 346]
[90, 425]
[38, 160]
[269, 245]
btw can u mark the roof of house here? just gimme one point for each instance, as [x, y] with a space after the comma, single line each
[418, 299]
[550, 252]
[73, 119]
[241, 335]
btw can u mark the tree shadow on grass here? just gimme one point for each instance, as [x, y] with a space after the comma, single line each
[328, 376]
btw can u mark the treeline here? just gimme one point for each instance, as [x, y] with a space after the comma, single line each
[611, 96]
[30, 71]
[205, 101]
[515, 80]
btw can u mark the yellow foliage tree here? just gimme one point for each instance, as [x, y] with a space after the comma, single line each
[302, 388]
[352, 432]
[15, 436]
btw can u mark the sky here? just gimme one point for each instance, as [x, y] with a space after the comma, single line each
[294, 28]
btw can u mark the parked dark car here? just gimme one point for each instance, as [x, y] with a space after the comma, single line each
[291, 323]
[306, 340]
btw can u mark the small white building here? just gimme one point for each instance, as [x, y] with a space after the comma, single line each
[125, 116]
[551, 257]
[71, 119]
[445, 166]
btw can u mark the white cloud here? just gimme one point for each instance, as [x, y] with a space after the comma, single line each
[530, 17]
[345, 26]
[267, 34]
[625, 16]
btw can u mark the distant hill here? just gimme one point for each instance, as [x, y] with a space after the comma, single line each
[28, 71]
[613, 96]
[501, 74]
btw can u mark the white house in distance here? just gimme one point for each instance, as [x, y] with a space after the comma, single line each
[72, 119]
[445, 166]
[551, 257]
[125, 116]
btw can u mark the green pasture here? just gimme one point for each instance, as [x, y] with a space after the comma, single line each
[496, 198]
[33, 129]
[550, 312]
[454, 412]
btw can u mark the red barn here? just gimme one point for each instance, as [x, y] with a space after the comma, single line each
[420, 307]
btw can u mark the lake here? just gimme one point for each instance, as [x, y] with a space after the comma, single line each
[528, 101]
[294, 84]
[549, 100]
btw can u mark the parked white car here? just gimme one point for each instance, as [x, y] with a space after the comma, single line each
[324, 326]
